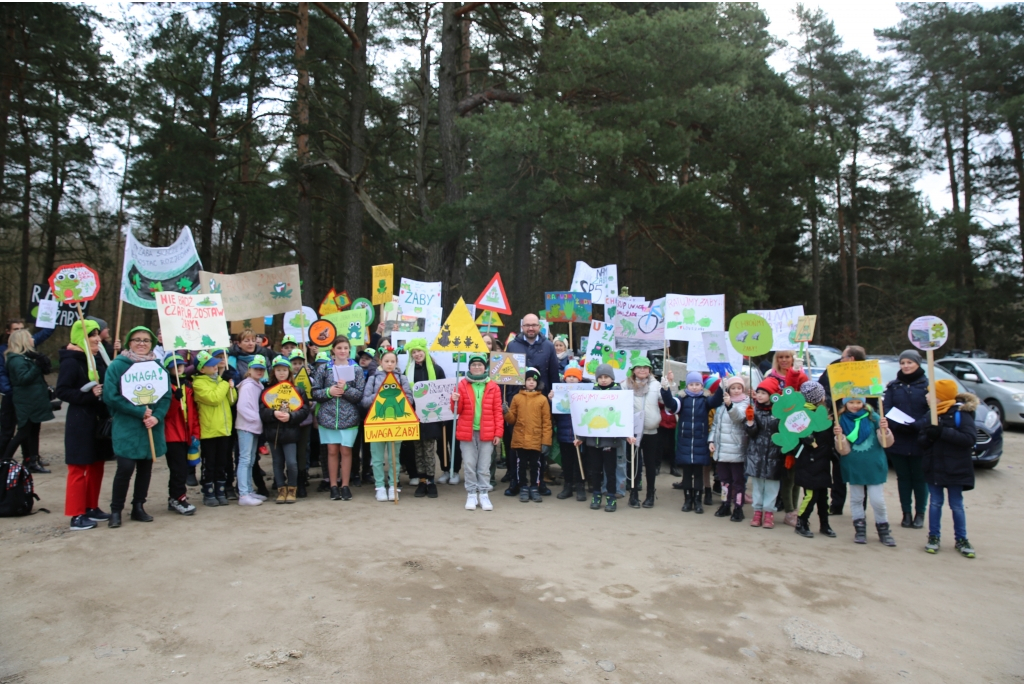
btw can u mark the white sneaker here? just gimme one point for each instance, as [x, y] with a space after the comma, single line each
[391, 494]
[443, 478]
[414, 481]
[471, 502]
[454, 479]
[382, 495]
[485, 502]
[249, 501]
[258, 496]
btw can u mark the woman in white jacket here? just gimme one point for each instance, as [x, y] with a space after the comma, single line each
[728, 444]
[646, 391]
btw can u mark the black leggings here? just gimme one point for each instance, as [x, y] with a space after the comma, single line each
[143, 469]
[28, 438]
[216, 455]
[819, 497]
[648, 455]
[570, 463]
[693, 476]
[601, 462]
[177, 465]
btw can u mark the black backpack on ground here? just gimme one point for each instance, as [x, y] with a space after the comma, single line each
[17, 490]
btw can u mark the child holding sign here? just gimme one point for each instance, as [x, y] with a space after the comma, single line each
[381, 475]
[692, 452]
[861, 439]
[338, 417]
[281, 426]
[479, 429]
[214, 396]
[764, 464]
[574, 482]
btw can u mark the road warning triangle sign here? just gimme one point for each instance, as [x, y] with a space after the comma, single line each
[391, 416]
[487, 318]
[493, 297]
[302, 381]
[459, 333]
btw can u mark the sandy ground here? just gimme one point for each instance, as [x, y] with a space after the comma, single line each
[425, 591]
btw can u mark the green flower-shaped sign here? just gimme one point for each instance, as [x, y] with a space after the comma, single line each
[795, 419]
[750, 335]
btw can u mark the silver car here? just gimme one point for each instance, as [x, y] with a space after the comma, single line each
[999, 384]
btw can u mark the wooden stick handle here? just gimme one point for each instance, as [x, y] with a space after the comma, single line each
[931, 386]
[152, 445]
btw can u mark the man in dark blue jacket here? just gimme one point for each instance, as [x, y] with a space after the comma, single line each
[8, 419]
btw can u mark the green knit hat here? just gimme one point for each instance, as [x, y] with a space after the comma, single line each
[78, 336]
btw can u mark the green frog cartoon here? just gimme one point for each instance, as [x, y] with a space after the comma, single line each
[144, 394]
[390, 400]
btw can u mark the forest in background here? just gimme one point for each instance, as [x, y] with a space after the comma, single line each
[456, 140]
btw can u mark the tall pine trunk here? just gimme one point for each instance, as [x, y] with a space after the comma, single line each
[352, 274]
[212, 121]
[308, 262]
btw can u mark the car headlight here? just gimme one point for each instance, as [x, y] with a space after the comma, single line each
[991, 420]
[1019, 397]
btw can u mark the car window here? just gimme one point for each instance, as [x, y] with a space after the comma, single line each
[1003, 373]
[958, 369]
[821, 358]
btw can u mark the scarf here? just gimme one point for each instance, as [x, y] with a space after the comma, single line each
[910, 378]
[563, 355]
[850, 423]
[419, 344]
[136, 358]
[690, 393]
[640, 386]
[945, 395]
[482, 378]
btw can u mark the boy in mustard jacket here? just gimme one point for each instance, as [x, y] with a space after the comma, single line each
[530, 417]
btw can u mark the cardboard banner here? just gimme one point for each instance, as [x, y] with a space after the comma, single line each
[565, 306]
[391, 416]
[192, 322]
[805, 328]
[297, 323]
[383, 283]
[688, 316]
[282, 397]
[255, 293]
[458, 333]
[602, 283]
[602, 413]
[714, 349]
[255, 325]
[144, 383]
[507, 368]
[419, 294]
[639, 327]
[351, 324]
[750, 335]
[493, 297]
[433, 399]
[151, 270]
[560, 397]
[67, 314]
[855, 379]
[73, 283]
[783, 322]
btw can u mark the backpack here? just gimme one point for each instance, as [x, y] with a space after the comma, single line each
[17, 491]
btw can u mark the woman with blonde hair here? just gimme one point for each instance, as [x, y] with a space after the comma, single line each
[26, 369]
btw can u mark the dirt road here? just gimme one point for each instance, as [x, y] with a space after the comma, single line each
[426, 591]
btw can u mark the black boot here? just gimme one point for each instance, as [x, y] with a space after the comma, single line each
[300, 490]
[698, 507]
[220, 494]
[724, 510]
[688, 502]
[567, 491]
[802, 528]
[33, 466]
[737, 513]
[907, 521]
[190, 480]
[649, 502]
[229, 492]
[634, 499]
[918, 520]
[115, 520]
[581, 492]
[209, 499]
[708, 499]
[860, 532]
[884, 535]
[139, 514]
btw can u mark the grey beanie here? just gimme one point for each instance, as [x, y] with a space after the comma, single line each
[605, 370]
[912, 355]
[813, 392]
[98, 320]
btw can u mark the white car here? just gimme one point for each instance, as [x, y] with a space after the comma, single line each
[997, 383]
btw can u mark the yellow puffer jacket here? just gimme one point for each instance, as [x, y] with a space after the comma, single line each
[214, 397]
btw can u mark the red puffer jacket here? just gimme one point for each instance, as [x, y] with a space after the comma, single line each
[175, 429]
[492, 421]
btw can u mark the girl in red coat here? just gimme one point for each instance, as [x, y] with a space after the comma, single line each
[479, 427]
[181, 429]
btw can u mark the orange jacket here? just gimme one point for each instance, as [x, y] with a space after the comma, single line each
[530, 416]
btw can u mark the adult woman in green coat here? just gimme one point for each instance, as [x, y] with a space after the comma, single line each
[31, 397]
[130, 432]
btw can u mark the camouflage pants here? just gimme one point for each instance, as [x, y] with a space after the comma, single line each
[426, 457]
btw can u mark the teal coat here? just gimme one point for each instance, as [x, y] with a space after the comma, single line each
[866, 464]
[29, 392]
[130, 437]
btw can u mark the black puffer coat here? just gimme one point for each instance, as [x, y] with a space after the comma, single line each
[764, 458]
[910, 397]
[279, 432]
[949, 460]
[86, 411]
[814, 465]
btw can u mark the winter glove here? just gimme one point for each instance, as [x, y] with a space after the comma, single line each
[790, 461]
[194, 444]
[933, 432]
[177, 393]
[504, 407]
[545, 450]
[750, 413]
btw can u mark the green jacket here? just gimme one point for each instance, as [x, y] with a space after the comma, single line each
[214, 397]
[29, 392]
[130, 437]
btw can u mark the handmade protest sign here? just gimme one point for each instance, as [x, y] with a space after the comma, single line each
[74, 283]
[493, 297]
[322, 333]
[602, 413]
[298, 321]
[46, 314]
[508, 368]
[391, 416]
[805, 328]
[192, 322]
[329, 305]
[565, 306]
[458, 333]
[254, 325]
[639, 325]
[302, 381]
[255, 293]
[488, 321]
[560, 397]
[351, 324]
[282, 397]
[419, 294]
[602, 282]
[855, 379]
[151, 270]
[383, 283]
[433, 399]
[688, 316]
[929, 333]
[795, 419]
[601, 349]
[714, 354]
[783, 323]
[67, 314]
[750, 335]
[142, 384]
[365, 305]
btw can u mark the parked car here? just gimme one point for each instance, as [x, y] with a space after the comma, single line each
[999, 384]
[818, 357]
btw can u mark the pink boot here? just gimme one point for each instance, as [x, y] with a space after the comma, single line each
[769, 519]
[756, 521]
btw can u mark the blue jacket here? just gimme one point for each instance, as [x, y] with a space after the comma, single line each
[910, 397]
[38, 339]
[563, 424]
[692, 429]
